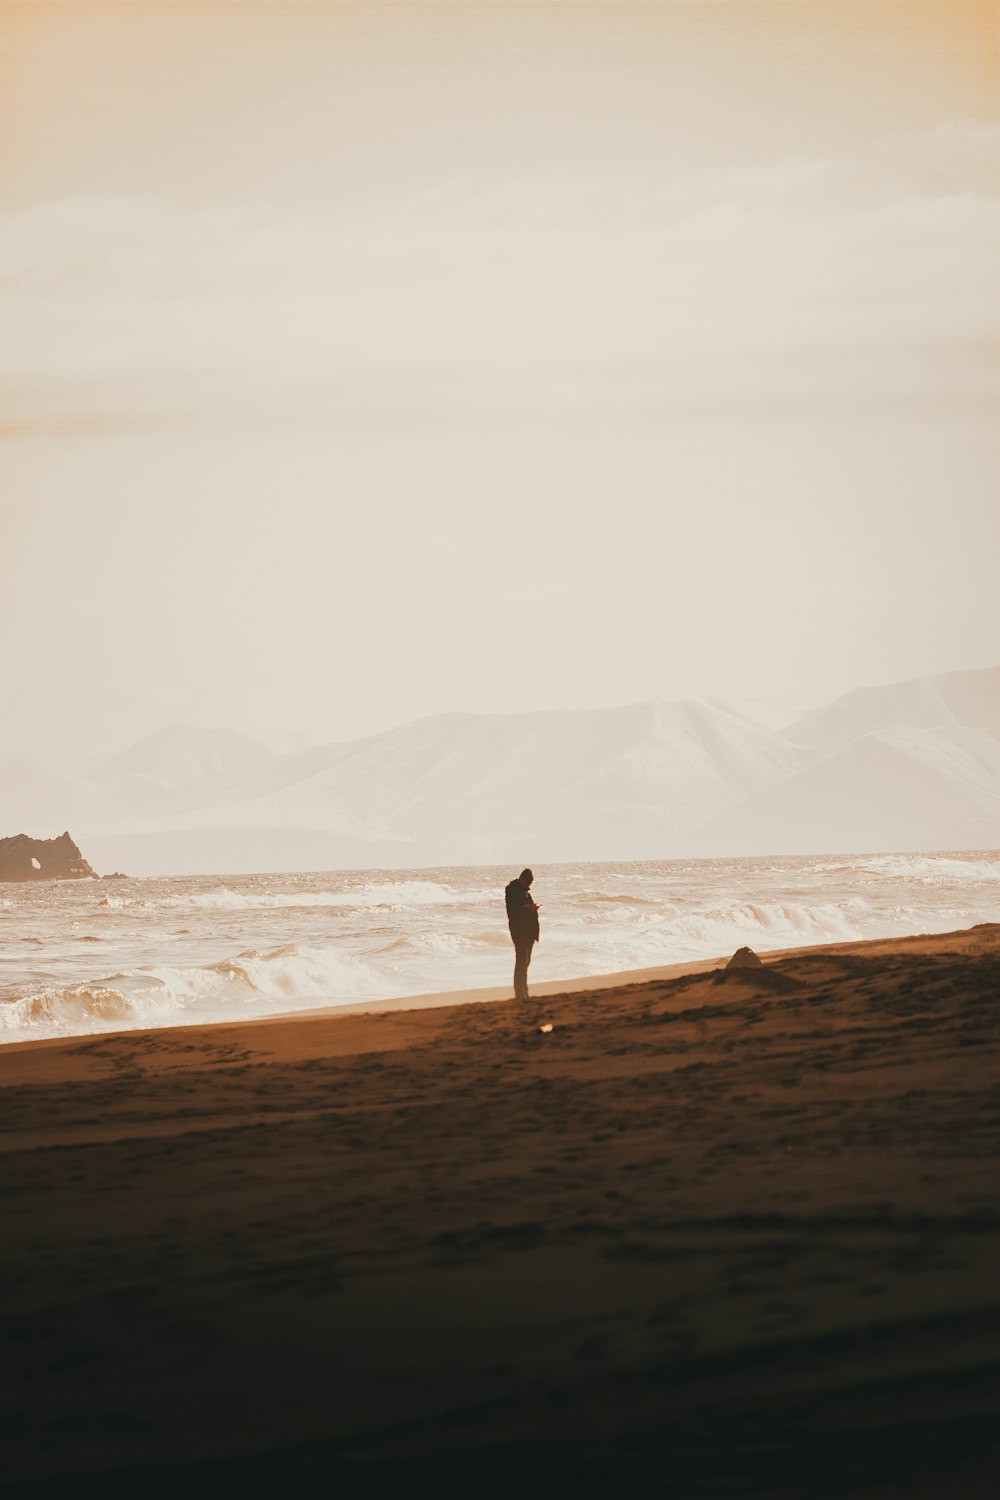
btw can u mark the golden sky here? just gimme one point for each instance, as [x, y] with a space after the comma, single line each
[201, 100]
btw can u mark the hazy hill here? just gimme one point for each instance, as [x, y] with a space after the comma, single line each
[906, 766]
[44, 800]
[150, 778]
[140, 784]
[971, 699]
[180, 754]
[562, 782]
[901, 789]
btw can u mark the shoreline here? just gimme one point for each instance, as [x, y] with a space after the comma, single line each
[391, 1004]
[593, 983]
[485, 994]
[715, 1234]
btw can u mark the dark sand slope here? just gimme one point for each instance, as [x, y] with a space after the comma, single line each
[706, 1238]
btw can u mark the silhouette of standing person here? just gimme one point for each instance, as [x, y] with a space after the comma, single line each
[522, 919]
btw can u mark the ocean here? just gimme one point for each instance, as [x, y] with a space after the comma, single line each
[90, 956]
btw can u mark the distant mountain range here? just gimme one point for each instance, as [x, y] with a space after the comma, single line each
[914, 765]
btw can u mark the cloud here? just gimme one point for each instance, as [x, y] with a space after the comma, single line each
[629, 293]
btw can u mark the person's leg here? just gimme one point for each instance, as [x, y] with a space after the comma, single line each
[521, 968]
[528, 950]
[521, 971]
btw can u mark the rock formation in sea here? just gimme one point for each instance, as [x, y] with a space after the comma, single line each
[24, 858]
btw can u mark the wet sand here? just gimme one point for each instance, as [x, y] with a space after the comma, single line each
[709, 1236]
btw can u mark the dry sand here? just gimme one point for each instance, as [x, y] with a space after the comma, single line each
[709, 1236]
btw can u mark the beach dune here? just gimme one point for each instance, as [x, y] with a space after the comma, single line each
[711, 1234]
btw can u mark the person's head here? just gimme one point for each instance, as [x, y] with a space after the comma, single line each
[526, 878]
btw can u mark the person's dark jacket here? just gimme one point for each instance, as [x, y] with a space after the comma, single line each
[522, 913]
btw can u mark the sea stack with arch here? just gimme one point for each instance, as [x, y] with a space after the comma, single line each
[24, 858]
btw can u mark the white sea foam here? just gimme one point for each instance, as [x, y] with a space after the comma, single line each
[297, 974]
[935, 869]
[821, 919]
[82, 1008]
[202, 949]
[164, 995]
[444, 942]
[672, 934]
[392, 894]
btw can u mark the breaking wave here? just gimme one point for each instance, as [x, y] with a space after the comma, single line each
[216, 948]
[933, 869]
[817, 922]
[673, 934]
[162, 995]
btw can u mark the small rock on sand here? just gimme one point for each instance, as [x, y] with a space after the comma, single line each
[744, 958]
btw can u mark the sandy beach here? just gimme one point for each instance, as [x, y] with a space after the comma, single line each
[707, 1236]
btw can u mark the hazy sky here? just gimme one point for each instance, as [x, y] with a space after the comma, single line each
[364, 362]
